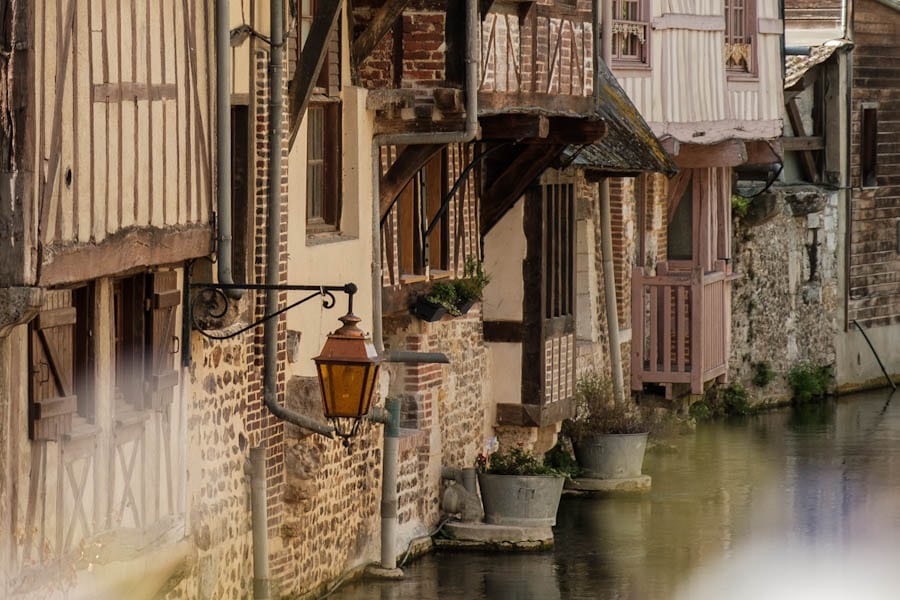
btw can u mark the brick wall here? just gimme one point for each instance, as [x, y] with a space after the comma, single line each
[874, 258]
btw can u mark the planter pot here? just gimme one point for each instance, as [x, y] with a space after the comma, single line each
[611, 455]
[464, 307]
[429, 311]
[520, 500]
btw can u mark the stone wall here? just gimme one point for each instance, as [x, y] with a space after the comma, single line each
[218, 498]
[785, 304]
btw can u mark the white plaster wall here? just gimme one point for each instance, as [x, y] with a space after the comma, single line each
[504, 251]
[339, 258]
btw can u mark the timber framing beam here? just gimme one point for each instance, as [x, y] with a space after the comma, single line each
[411, 159]
[514, 126]
[729, 153]
[382, 21]
[311, 59]
[524, 166]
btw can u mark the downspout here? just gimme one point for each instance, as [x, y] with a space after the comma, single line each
[606, 245]
[273, 228]
[391, 454]
[223, 148]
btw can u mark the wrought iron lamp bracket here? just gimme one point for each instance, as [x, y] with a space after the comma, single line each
[213, 301]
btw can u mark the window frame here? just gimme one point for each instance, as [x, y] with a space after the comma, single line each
[749, 36]
[324, 215]
[868, 145]
[631, 27]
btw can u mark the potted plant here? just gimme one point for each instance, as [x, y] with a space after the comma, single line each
[454, 297]
[518, 489]
[609, 439]
[470, 287]
[437, 303]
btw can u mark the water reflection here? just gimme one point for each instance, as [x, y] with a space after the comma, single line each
[796, 503]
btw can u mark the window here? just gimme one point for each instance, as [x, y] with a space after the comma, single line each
[868, 147]
[417, 207]
[559, 250]
[680, 234]
[241, 211]
[630, 41]
[740, 30]
[323, 166]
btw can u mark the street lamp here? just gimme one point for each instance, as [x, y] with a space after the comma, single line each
[347, 368]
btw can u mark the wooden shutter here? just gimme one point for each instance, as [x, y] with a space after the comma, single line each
[52, 337]
[164, 342]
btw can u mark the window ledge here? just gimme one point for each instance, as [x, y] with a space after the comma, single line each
[320, 238]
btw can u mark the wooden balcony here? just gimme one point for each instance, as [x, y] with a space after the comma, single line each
[681, 327]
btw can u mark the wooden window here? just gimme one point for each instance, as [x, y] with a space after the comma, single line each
[680, 234]
[740, 35]
[868, 147]
[630, 33]
[323, 166]
[145, 340]
[241, 211]
[559, 250]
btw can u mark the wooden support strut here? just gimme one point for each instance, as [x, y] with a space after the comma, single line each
[312, 58]
[411, 159]
[382, 21]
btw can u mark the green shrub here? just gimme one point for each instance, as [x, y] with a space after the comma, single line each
[700, 411]
[762, 373]
[562, 461]
[809, 382]
[739, 205]
[516, 461]
[735, 401]
[444, 294]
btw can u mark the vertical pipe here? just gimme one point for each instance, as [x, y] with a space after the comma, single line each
[389, 500]
[603, 51]
[260, 523]
[223, 147]
[273, 227]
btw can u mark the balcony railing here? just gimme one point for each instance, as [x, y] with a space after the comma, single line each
[681, 327]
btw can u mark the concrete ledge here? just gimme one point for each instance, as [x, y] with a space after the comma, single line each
[481, 536]
[639, 484]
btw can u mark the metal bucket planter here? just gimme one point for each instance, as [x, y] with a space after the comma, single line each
[520, 500]
[611, 455]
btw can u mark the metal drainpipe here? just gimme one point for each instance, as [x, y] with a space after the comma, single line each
[223, 148]
[273, 228]
[259, 516]
[389, 501]
[603, 51]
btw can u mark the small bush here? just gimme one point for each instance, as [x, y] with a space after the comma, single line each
[516, 461]
[762, 373]
[809, 382]
[562, 461]
[735, 401]
[700, 411]
[739, 205]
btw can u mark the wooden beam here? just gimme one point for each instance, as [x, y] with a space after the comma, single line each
[801, 143]
[123, 251]
[411, 159]
[311, 59]
[514, 127]
[521, 171]
[765, 152]
[807, 159]
[568, 130]
[729, 153]
[382, 21]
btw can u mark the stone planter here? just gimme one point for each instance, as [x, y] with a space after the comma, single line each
[611, 455]
[520, 500]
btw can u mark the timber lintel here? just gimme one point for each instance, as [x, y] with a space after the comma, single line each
[514, 127]
[729, 153]
[312, 58]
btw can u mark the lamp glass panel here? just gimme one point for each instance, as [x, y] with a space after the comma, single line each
[343, 386]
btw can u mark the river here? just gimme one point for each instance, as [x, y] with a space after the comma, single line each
[794, 503]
